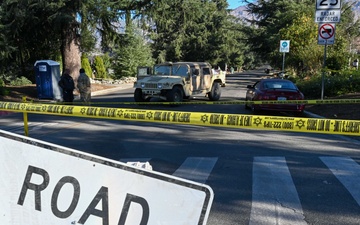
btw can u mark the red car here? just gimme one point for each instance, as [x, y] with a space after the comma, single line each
[274, 90]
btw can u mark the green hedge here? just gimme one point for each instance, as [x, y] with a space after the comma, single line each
[85, 64]
[3, 90]
[335, 84]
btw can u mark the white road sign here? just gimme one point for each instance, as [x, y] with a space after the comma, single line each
[284, 46]
[328, 4]
[44, 184]
[328, 11]
[327, 16]
[326, 34]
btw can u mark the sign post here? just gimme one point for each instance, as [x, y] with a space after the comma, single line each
[327, 13]
[326, 36]
[46, 184]
[284, 47]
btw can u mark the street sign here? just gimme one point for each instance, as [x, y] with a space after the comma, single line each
[327, 16]
[328, 4]
[284, 46]
[326, 34]
[43, 183]
[328, 11]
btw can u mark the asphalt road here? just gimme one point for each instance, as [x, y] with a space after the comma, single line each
[258, 177]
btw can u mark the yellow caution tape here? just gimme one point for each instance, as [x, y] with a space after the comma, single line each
[313, 125]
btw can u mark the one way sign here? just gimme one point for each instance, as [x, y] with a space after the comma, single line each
[44, 184]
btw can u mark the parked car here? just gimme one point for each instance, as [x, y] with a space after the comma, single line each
[274, 90]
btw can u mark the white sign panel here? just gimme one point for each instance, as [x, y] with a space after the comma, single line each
[327, 16]
[326, 34]
[42, 68]
[46, 184]
[284, 46]
[328, 4]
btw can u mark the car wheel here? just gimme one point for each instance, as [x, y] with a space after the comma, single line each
[246, 104]
[215, 93]
[299, 114]
[254, 109]
[138, 95]
[175, 95]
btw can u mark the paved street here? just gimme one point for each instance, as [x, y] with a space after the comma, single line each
[258, 177]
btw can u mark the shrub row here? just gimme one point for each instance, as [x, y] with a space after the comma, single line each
[335, 84]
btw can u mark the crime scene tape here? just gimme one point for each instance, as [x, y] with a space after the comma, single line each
[312, 125]
[239, 102]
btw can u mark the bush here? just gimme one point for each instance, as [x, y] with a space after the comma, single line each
[20, 81]
[100, 68]
[335, 83]
[3, 90]
[86, 65]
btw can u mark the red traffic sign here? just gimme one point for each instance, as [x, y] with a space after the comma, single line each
[326, 31]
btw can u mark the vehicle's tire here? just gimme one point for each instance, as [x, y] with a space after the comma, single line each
[138, 95]
[175, 95]
[254, 110]
[246, 104]
[299, 114]
[215, 93]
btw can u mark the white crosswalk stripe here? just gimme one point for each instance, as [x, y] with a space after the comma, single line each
[196, 168]
[347, 172]
[274, 198]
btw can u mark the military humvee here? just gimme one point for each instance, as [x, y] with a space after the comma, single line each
[175, 81]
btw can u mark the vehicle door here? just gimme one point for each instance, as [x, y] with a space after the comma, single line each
[206, 78]
[195, 79]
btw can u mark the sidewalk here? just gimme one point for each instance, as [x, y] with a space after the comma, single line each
[94, 93]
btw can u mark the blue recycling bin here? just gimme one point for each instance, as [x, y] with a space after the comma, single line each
[47, 74]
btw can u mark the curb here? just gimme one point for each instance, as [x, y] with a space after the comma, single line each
[111, 90]
[343, 137]
[313, 115]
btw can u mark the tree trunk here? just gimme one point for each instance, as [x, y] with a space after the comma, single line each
[70, 50]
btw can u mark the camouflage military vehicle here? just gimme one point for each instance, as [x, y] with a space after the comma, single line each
[175, 81]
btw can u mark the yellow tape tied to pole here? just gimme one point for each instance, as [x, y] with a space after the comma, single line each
[313, 125]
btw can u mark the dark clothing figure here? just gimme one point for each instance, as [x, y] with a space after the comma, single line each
[67, 84]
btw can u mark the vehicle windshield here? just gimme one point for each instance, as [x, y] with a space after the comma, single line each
[176, 70]
[279, 85]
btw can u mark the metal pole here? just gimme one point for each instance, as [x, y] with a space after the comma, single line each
[283, 65]
[323, 73]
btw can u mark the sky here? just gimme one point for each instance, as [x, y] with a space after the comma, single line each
[235, 3]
